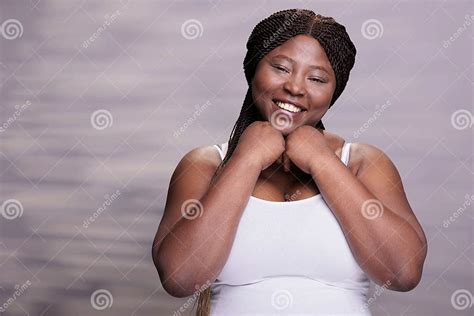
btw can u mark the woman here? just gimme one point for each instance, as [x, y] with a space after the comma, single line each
[279, 219]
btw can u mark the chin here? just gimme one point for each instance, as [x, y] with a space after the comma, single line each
[287, 120]
[287, 130]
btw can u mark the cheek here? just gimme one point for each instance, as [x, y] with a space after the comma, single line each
[331, 89]
[322, 95]
[264, 81]
[325, 94]
[263, 86]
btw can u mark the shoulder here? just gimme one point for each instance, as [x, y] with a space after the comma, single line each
[370, 156]
[205, 159]
[362, 155]
[370, 152]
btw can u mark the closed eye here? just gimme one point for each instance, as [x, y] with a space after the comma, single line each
[316, 79]
[280, 68]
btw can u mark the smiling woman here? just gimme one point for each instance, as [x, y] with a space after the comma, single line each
[307, 95]
[258, 251]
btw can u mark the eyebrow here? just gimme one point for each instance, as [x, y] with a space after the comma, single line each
[293, 62]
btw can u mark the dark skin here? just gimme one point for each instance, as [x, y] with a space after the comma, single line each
[390, 248]
[312, 87]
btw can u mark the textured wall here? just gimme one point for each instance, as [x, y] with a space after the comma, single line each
[101, 99]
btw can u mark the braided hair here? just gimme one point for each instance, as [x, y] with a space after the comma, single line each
[268, 34]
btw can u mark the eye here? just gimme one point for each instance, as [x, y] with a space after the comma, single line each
[316, 80]
[280, 68]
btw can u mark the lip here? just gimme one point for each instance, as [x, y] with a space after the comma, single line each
[292, 114]
[291, 102]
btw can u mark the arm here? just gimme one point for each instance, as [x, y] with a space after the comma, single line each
[375, 216]
[191, 250]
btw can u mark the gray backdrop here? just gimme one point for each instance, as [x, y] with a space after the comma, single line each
[101, 99]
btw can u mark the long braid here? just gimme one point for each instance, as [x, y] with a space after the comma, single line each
[268, 34]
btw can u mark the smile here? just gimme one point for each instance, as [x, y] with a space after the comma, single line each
[288, 107]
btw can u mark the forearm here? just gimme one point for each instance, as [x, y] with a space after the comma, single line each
[384, 244]
[196, 248]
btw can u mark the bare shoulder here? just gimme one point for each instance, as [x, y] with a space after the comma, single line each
[371, 155]
[370, 152]
[206, 158]
[195, 170]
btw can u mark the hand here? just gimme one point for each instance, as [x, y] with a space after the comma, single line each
[260, 143]
[304, 145]
[284, 160]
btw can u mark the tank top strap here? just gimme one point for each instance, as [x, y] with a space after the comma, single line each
[345, 153]
[222, 149]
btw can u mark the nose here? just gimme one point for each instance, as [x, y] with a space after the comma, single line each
[294, 86]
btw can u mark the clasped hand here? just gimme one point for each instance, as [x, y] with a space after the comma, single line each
[303, 146]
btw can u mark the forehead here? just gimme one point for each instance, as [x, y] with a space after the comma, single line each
[303, 49]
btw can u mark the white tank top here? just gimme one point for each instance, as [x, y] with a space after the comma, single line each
[290, 258]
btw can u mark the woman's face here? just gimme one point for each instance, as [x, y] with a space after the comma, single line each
[297, 72]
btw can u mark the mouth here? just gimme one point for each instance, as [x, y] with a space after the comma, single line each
[294, 115]
[289, 107]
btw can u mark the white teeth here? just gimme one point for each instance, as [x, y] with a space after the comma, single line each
[288, 107]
